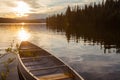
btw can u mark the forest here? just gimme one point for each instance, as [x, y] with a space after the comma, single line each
[92, 16]
[96, 22]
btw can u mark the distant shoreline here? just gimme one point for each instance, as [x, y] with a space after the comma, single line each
[10, 20]
[21, 24]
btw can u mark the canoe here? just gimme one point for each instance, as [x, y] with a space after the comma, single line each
[37, 64]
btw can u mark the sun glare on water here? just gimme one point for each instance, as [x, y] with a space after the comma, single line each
[23, 35]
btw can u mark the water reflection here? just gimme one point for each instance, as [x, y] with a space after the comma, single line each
[106, 39]
[23, 35]
[22, 23]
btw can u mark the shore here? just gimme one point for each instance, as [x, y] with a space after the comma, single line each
[8, 67]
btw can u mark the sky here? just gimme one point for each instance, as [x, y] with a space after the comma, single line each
[34, 9]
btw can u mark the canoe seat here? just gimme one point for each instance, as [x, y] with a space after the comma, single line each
[31, 58]
[56, 76]
[47, 68]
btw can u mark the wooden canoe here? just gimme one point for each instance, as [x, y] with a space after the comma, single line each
[38, 64]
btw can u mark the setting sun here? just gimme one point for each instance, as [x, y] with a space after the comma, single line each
[22, 9]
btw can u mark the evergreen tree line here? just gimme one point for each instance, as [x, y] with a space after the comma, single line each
[105, 15]
[97, 22]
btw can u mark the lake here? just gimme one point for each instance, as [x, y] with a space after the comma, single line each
[90, 59]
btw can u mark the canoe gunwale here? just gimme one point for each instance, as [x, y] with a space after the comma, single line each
[21, 65]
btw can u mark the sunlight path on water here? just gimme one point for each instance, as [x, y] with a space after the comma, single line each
[23, 35]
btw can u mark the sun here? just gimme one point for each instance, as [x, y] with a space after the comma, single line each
[22, 9]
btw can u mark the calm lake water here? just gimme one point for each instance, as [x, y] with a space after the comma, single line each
[92, 62]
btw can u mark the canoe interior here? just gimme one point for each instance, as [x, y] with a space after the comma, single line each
[43, 65]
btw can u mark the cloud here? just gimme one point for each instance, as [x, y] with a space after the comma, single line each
[10, 3]
[33, 3]
[41, 7]
[50, 6]
[36, 16]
